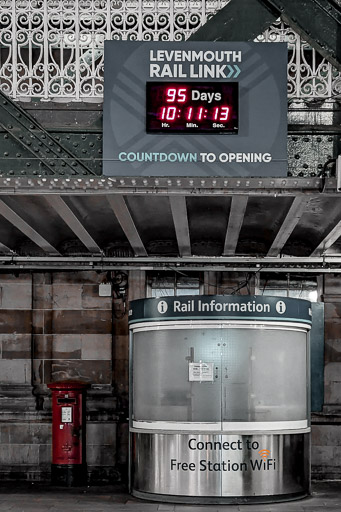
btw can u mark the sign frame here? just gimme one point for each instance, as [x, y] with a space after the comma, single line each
[259, 148]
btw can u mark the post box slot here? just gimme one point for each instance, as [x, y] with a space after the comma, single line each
[66, 400]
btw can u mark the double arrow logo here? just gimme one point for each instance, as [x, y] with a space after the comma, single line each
[234, 70]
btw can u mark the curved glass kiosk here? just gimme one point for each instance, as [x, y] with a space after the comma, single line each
[220, 399]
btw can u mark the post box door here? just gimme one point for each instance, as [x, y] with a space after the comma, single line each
[67, 448]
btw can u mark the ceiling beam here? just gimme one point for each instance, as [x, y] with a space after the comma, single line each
[233, 23]
[25, 228]
[237, 212]
[290, 222]
[65, 212]
[328, 241]
[120, 209]
[180, 218]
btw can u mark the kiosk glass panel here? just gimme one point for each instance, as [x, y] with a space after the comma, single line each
[161, 387]
[249, 375]
[264, 375]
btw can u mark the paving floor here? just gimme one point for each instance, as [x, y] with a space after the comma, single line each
[19, 497]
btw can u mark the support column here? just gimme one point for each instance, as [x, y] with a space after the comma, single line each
[326, 431]
[210, 283]
[42, 337]
[136, 290]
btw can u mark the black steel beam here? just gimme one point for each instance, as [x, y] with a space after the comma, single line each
[237, 21]
[315, 265]
[317, 21]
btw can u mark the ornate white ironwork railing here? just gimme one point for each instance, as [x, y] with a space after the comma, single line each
[309, 74]
[53, 49]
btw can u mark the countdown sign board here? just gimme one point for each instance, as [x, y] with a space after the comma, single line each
[195, 109]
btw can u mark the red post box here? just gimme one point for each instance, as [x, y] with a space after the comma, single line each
[68, 433]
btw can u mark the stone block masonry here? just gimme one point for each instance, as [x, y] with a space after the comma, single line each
[56, 326]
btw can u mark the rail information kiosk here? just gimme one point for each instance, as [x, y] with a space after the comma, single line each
[220, 398]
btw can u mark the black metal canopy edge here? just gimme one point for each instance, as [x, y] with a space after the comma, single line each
[317, 21]
[315, 265]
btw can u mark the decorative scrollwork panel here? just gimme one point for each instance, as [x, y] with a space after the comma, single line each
[53, 49]
[309, 74]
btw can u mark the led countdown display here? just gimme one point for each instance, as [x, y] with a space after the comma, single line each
[192, 107]
[195, 108]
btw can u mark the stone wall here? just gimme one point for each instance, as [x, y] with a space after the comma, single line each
[72, 329]
[56, 326]
[26, 451]
[16, 342]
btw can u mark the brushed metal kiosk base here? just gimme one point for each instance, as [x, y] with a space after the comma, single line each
[208, 500]
[220, 468]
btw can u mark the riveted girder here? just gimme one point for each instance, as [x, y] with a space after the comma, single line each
[33, 148]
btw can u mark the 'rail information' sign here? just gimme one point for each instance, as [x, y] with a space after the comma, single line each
[195, 109]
